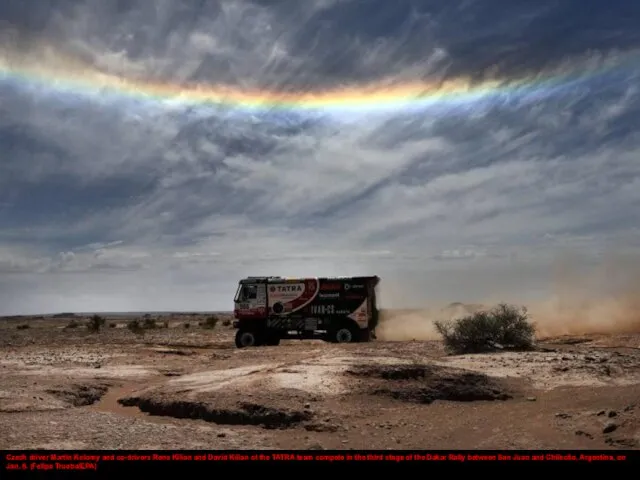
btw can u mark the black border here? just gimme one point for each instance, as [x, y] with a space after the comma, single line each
[70, 461]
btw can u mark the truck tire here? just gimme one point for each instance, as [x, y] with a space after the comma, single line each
[246, 338]
[343, 334]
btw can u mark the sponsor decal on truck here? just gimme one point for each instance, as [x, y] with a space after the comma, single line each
[329, 295]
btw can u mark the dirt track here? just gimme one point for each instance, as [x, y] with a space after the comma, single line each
[189, 388]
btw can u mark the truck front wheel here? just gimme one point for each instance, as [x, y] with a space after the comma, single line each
[246, 338]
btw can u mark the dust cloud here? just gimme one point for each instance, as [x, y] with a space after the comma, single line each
[600, 300]
[581, 300]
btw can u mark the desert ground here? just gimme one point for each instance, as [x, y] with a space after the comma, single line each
[63, 386]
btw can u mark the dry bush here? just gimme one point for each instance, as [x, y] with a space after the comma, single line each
[149, 323]
[96, 323]
[226, 322]
[503, 327]
[210, 322]
[24, 326]
[72, 324]
[135, 326]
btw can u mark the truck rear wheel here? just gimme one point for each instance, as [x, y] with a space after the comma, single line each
[343, 335]
[246, 338]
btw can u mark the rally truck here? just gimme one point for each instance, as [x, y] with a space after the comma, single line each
[338, 309]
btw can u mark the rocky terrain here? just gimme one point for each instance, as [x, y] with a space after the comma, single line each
[63, 386]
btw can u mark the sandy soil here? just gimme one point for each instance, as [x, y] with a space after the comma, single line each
[178, 387]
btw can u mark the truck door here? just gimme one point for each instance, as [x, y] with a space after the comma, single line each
[252, 300]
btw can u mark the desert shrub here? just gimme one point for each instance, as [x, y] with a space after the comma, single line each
[226, 322]
[24, 326]
[210, 322]
[187, 325]
[72, 324]
[135, 326]
[95, 323]
[503, 327]
[112, 325]
[165, 324]
[149, 323]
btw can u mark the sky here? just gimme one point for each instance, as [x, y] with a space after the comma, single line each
[154, 153]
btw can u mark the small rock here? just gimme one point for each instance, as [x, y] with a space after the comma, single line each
[613, 414]
[563, 415]
[531, 399]
[581, 433]
[222, 435]
[307, 405]
[609, 427]
[628, 408]
[601, 412]
[316, 446]
[345, 441]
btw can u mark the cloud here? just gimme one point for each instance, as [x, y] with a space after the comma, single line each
[104, 194]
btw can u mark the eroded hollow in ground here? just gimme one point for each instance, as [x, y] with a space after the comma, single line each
[426, 384]
[80, 395]
[242, 413]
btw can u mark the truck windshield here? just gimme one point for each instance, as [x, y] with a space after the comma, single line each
[236, 299]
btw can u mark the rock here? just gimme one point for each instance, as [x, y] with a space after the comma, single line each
[222, 435]
[601, 412]
[613, 414]
[610, 427]
[563, 415]
[581, 433]
[307, 405]
[531, 399]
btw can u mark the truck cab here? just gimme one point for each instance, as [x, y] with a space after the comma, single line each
[250, 301]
